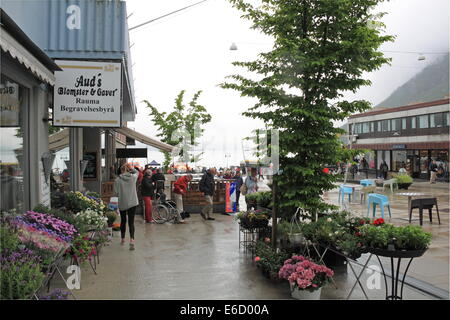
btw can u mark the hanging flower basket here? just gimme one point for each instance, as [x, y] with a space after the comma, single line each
[254, 223]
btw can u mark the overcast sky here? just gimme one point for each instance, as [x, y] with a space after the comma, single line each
[190, 50]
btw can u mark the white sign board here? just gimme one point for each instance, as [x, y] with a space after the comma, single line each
[87, 94]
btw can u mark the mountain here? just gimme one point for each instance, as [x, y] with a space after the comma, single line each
[432, 83]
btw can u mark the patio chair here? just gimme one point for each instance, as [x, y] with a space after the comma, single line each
[343, 190]
[375, 199]
[367, 182]
[427, 203]
[392, 183]
[365, 191]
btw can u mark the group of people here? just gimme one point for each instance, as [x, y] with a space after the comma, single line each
[151, 184]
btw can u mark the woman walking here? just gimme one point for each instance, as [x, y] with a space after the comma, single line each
[252, 186]
[125, 188]
[148, 193]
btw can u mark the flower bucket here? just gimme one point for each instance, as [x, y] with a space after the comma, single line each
[298, 294]
[296, 238]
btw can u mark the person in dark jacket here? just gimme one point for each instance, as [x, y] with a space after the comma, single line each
[158, 180]
[239, 182]
[207, 187]
[384, 169]
[148, 194]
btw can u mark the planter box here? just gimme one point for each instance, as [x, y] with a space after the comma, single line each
[253, 224]
[404, 185]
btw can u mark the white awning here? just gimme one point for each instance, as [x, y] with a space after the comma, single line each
[17, 51]
[60, 139]
[144, 139]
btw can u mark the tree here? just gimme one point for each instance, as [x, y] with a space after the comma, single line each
[321, 49]
[181, 126]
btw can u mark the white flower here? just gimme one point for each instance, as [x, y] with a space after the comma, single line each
[336, 232]
[329, 220]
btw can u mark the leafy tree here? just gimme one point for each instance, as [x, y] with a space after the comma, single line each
[183, 119]
[321, 49]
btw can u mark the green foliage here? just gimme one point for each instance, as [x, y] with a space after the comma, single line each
[8, 239]
[322, 48]
[264, 199]
[181, 118]
[270, 260]
[403, 178]
[112, 216]
[404, 238]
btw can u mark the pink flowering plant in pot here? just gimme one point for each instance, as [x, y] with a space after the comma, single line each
[304, 274]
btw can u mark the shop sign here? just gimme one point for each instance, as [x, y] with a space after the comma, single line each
[87, 94]
[399, 146]
[9, 104]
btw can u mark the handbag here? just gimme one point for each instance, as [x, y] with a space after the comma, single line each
[243, 189]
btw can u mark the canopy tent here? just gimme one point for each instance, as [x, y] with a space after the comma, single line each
[154, 163]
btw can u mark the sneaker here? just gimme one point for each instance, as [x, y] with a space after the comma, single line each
[122, 242]
[131, 245]
[209, 218]
[203, 215]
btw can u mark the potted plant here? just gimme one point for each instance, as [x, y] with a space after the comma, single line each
[269, 259]
[305, 277]
[404, 181]
[253, 219]
[402, 242]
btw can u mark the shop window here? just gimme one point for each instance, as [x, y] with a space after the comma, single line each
[423, 121]
[395, 124]
[12, 141]
[398, 160]
[365, 127]
[424, 161]
[413, 122]
[385, 125]
[372, 126]
[403, 123]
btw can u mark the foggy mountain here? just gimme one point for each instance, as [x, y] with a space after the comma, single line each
[432, 83]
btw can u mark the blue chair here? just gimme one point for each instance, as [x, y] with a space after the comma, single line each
[367, 182]
[343, 190]
[375, 199]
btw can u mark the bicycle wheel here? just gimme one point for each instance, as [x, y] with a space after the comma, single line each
[161, 214]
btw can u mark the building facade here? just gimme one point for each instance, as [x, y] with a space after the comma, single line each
[408, 136]
[26, 90]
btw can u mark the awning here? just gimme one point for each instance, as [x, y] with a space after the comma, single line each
[60, 139]
[144, 139]
[18, 51]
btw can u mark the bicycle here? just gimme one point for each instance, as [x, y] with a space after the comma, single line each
[165, 210]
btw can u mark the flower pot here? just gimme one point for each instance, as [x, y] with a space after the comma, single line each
[296, 238]
[404, 185]
[298, 294]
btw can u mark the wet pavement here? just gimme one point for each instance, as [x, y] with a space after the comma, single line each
[202, 260]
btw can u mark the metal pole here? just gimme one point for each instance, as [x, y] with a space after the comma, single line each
[274, 211]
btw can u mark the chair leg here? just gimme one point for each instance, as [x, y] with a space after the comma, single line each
[382, 211]
[421, 215]
[429, 213]
[368, 208]
[389, 209]
[410, 214]
[437, 210]
[374, 209]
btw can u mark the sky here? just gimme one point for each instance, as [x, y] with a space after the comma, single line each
[190, 51]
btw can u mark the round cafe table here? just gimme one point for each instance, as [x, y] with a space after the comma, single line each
[410, 195]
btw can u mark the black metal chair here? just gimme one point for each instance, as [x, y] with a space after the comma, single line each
[427, 203]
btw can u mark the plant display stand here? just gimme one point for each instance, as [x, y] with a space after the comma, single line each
[396, 256]
[249, 236]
